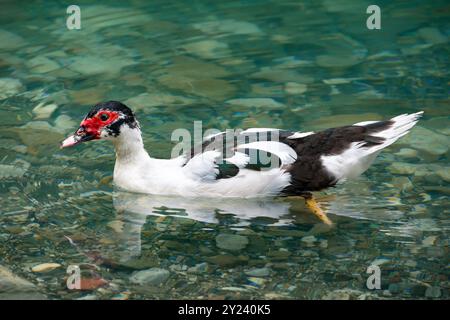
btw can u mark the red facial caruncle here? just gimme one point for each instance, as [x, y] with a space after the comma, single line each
[92, 126]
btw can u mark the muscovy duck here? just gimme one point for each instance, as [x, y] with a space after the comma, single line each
[306, 161]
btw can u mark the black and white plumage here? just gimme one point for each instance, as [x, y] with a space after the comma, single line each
[306, 161]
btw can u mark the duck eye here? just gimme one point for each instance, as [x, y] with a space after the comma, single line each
[104, 117]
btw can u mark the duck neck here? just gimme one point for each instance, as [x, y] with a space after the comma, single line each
[130, 147]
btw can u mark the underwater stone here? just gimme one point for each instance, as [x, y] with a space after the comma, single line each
[227, 26]
[257, 281]
[402, 183]
[394, 288]
[208, 49]
[429, 241]
[45, 267]
[227, 260]
[343, 51]
[231, 241]
[309, 240]
[432, 35]
[281, 75]
[93, 64]
[42, 64]
[13, 287]
[38, 133]
[198, 268]
[428, 172]
[43, 111]
[149, 100]
[336, 295]
[10, 40]
[295, 88]
[407, 153]
[217, 89]
[444, 173]
[9, 87]
[64, 122]
[192, 68]
[264, 103]
[14, 170]
[402, 168]
[258, 272]
[424, 139]
[153, 276]
[433, 292]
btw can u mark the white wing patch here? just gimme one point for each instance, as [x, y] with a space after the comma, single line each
[203, 166]
[286, 154]
[239, 159]
[299, 135]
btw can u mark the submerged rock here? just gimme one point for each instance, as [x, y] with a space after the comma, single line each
[424, 139]
[407, 153]
[9, 87]
[208, 49]
[256, 281]
[198, 268]
[295, 88]
[149, 100]
[231, 242]
[153, 276]
[13, 287]
[341, 51]
[42, 64]
[64, 122]
[227, 260]
[229, 26]
[45, 267]
[343, 294]
[92, 64]
[10, 40]
[43, 111]
[210, 88]
[309, 240]
[433, 292]
[402, 183]
[432, 35]
[264, 103]
[258, 272]
[197, 77]
[428, 172]
[40, 133]
[15, 170]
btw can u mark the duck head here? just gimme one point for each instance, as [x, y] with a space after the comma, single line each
[106, 121]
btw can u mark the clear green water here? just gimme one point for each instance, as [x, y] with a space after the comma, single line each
[175, 63]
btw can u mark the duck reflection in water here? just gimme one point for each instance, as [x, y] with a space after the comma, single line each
[133, 210]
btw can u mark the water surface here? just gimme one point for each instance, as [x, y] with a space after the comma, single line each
[298, 65]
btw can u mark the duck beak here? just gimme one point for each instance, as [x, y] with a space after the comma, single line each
[81, 135]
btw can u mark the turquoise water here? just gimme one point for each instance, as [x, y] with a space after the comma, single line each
[292, 64]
